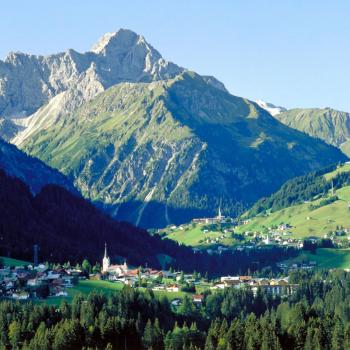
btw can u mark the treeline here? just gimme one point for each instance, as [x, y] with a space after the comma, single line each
[316, 316]
[68, 228]
[300, 189]
[323, 202]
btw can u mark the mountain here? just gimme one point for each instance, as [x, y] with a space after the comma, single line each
[32, 171]
[166, 151]
[313, 204]
[272, 109]
[327, 124]
[149, 141]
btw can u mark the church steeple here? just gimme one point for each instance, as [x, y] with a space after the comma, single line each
[105, 261]
[105, 256]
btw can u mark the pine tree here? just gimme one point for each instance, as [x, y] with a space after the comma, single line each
[14, 334]
[148, 334]
[338, 336]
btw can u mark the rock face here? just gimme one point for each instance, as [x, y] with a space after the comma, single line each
[31, 171]
[149, 141]
[27, 82]
[327, 124]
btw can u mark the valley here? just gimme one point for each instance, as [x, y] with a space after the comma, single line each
[325, 218]
[146, 206]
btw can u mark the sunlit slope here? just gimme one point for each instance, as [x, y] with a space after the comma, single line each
[327, 124]
[310, 218]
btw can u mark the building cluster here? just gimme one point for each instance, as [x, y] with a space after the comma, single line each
[125, 274]
[211, 221]
[280, 235]
[275, 286]
[169, 281]
[22, 283]
[294, 266]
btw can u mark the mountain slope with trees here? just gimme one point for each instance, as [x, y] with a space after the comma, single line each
[69, 228]
[316, 204]
[32, 171]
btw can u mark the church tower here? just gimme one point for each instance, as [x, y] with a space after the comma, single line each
[105, 261]
[220, 216]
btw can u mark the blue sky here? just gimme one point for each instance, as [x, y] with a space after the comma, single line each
[292, 53]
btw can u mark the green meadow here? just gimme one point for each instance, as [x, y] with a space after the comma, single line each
[194, 235]
[306, 221]
[326, 258]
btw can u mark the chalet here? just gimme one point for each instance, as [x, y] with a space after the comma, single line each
[229, 278]
[168, 274]
[173, 288]
[198, 298]
[34, 282]
[159, 287]
[232, 283]
[245, 278]
[219, 285]
[20, 296]
[51, 276]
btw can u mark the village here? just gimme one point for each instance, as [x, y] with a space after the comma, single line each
[39, 282]
[218, 234]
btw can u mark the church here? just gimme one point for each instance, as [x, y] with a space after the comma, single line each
[217, 219]
[118, 270]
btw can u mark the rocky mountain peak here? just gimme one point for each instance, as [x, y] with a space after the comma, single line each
[28, 82]
[122, 40]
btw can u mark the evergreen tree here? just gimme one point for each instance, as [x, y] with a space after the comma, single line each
[14, 334]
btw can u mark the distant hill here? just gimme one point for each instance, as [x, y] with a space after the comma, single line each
[313, 205]
[327, 124]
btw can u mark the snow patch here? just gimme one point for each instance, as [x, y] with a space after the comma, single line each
[269, 107]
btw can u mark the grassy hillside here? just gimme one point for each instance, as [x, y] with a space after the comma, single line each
[165, 152]
[199, 236]
[310, 218]
[105, 287]
[327, 124]
[326, 258]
